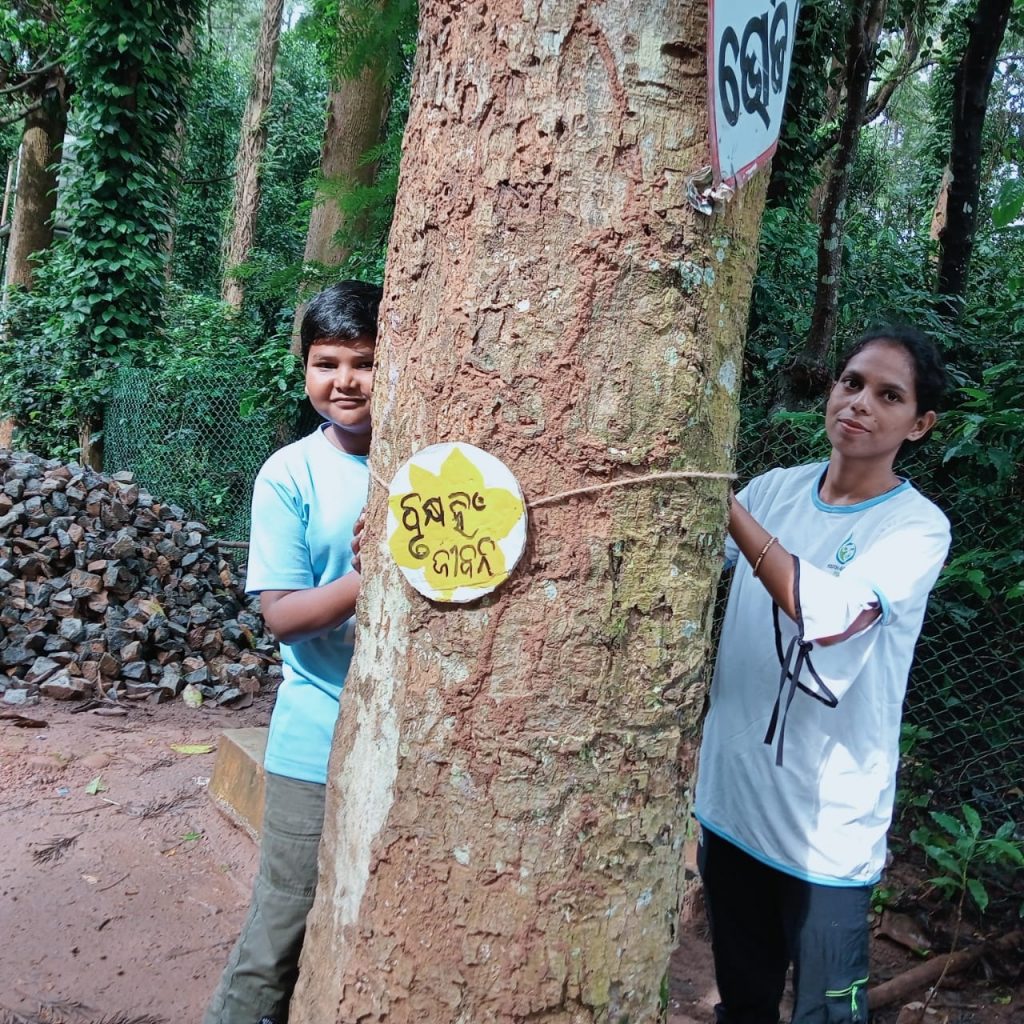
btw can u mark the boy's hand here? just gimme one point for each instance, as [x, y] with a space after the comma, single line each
[357, 542]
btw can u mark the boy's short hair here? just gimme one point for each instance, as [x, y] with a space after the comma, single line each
[345, 311]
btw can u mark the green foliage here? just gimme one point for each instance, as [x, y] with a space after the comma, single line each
[33, 39]
[1009, 203]
[295, 124]
[45, 383]
[967, 860]
[295, 127]
[31, 34]
[130, 73]
[198, 420]
[205, 181]
[354, 35]
[816, 51]
[368, 209]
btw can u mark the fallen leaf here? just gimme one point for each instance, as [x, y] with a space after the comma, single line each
[91, 879]
[192, 748]
[97, 786]
[192, 696]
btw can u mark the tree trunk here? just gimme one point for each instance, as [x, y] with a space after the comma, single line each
[186, 46]
[36, 198]
[355, 110]
[808, 375]
[355, 113]
[970, 100]
[941, 207]
[251, 143]
[508, 790]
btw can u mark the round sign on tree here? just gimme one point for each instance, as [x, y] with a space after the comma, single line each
[456, 522]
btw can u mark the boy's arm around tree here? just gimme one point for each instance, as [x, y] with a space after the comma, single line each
[293, 606]
[295, 615]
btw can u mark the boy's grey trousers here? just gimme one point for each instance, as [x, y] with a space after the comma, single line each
[264, 965]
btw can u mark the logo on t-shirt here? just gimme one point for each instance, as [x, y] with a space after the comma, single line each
[845, 554]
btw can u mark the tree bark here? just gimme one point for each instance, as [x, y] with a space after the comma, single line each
[808, 375]
[186, 46]
[508, 792]
[970, 101]
[36, 198]
[251, 143]
[355, 112]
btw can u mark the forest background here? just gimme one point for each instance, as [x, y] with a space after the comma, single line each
[188, 173]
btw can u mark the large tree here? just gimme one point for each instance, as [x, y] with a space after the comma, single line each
[252, 142]
[508, 790]
[33, 91]
[806, 377]
[986, 27]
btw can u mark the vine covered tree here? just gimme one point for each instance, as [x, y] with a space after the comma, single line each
[550, 295]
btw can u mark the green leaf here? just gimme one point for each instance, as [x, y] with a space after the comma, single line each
[1009, 203]
[947, 822]
[978, 893]
[97, 786]
[972, 818]
[192, 696]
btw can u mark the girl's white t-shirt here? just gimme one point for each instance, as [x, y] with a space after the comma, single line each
[802, 775]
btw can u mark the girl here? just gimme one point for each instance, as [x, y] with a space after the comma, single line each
[801, 743]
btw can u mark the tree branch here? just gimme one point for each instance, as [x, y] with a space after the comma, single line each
[14, 118]
[29, 78]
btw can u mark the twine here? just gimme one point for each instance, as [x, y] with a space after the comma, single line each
[629, 481]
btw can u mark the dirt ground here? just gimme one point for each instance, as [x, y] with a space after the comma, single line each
[122, 903]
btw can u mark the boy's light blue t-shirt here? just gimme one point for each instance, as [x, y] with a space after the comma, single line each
[305, 503]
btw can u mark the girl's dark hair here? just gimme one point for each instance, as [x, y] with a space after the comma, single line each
[930, 380]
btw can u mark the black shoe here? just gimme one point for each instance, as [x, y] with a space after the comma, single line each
[266, 1020]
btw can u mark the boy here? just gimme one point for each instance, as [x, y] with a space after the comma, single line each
[305, 503]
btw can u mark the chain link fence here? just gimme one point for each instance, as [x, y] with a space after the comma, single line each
[963, 735]
[963, 731]
[187, 442]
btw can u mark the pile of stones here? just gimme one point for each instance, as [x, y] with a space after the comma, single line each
[108, 593]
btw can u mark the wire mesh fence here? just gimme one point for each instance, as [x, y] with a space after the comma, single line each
[963, 731]
[963, 734]
[185, 440]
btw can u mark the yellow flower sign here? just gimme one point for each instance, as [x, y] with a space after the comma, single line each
[456, 522]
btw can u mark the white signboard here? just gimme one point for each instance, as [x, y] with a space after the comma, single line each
[456, 522]
[750, 50]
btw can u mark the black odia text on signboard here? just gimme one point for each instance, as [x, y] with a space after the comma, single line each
[751, 68]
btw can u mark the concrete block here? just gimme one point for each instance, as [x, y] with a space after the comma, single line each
[237, 784]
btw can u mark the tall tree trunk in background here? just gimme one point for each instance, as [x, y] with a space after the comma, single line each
[972, 84]
[251, 143]
[355, 112]
[186, 48]
[36, 199]
[508, 790]
[808, 375]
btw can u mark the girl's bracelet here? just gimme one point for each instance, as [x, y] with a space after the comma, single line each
[760, 557]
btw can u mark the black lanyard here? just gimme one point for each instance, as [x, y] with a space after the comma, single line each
[796, 657]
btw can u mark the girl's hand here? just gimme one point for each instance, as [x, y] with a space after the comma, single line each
[357, 542]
